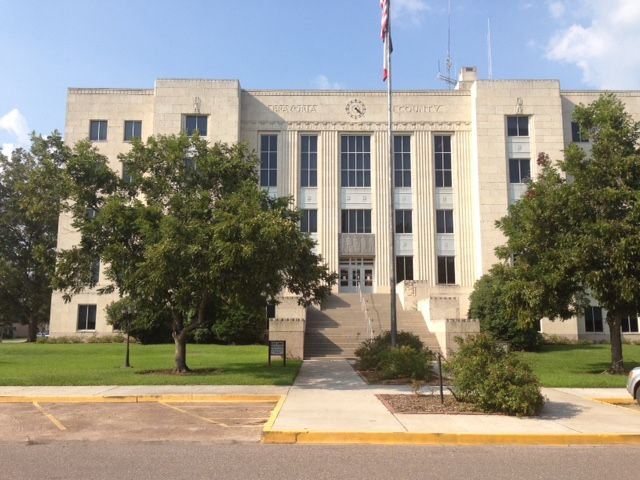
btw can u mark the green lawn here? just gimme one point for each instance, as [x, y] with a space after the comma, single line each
[101, 364]
[579, 365]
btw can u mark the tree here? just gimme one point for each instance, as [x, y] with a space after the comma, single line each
[497, 305]
[186, 233]
[31, 191]
[575, 232]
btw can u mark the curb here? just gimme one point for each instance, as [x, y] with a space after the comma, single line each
[175, 398]
[445, 439]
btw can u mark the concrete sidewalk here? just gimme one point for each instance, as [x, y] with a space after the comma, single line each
[329, 403]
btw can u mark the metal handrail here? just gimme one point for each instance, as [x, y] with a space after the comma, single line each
[363, 305]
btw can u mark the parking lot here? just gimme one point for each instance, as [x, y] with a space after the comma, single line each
[37, 422]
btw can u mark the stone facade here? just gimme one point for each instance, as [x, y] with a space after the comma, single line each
[469, 125]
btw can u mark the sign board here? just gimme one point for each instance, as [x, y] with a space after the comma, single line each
[278, 348]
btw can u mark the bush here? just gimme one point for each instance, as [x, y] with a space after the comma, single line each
[115, 338]
[406, 362]
[241, 325]
[370, 353]
[494, 379]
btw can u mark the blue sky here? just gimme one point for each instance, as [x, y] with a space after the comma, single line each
[48, 46]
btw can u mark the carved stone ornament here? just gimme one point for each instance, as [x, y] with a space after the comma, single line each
[196, 104]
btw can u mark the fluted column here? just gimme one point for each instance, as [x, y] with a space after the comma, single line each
[463, 211]
[424, 248]
[380, 192]
[328, 198]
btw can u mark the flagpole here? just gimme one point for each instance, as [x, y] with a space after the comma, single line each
[392, 233]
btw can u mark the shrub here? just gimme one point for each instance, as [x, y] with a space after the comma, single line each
[370, 352]
[494, 379]
[241, 325]
[406, 362]
[115, 338]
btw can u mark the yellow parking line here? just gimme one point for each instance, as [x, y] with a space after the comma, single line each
[53, 419]
[191, 414]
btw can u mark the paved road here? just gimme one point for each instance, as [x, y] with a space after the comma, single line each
[183, 460]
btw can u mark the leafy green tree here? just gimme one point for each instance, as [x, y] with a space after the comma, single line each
[575, 232]
[32, 187]
[187, 232]
[496, 305]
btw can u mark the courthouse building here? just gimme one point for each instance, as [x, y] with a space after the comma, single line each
[461, 157]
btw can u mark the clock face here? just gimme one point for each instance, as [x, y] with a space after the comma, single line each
[355, 109]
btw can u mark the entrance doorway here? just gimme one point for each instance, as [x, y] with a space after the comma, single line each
[354, 271]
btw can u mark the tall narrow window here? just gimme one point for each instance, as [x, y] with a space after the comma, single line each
[126, 176]
[518, 126]
[593, 320]
[404, 221]
[519, 170]
[402, 160]
[95, 271]
[444, 221]
[356, 221]
[86, 317]
[443, 160]
[195, 123]
[309, 221]
[308, 160]
[268, 160]
[132, 129]
[98, 130]
[404, 268]
[446, 270]
[355, 160]
[577, 134]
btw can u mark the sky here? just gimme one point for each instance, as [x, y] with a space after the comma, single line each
[48, 46]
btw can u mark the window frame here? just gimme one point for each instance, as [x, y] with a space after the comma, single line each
[628, 323]
[444, 221]
[402, 272]
[268, 160]
[90, 311]
[402, 161]
[577, 134]
[100, 130]
[355, 161]
[403, 221]
[356, 220]
[197, 128]
[520, 177]
[446, 270]
[309, 160]
[133, 136]
[591, 322]
[309, 220]
[521, 124]
[443, 174]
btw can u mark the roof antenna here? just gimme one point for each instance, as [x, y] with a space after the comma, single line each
[489, 49]
[448, 79]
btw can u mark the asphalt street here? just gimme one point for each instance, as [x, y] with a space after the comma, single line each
[184, 460]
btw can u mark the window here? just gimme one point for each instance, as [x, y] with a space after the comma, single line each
[309, 161]
[402, 160]
[90, 213]
[519, 170]
[518, 126]
[126, 176]
[403, 221]
[404, 268]
[86, 317]
[355, 160]
[98, 130]
[271, 310]
[443, 160]
[446, 270]
[356, 221]
[444, 221]
[309, 221]
[195, 123]
[593, 319]
[132, 129]
[578, 135]
[268, 160]
[95, 271]
[630, 324]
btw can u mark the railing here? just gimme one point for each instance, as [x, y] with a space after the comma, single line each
[363, 305]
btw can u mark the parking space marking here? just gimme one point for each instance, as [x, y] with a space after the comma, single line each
[53, 419]
[209, 419]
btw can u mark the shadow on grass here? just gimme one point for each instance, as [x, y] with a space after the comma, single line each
[193, 372]
[274, 372]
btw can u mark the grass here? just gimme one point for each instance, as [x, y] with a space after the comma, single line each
[102, 364]
[580, 365]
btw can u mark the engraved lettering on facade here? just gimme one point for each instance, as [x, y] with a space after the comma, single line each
[417, 108]
[285, 108]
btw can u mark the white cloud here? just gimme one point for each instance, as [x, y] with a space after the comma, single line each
[603, 45]
[556, 9]
[322, 82]
[16, 126]
[410, 11]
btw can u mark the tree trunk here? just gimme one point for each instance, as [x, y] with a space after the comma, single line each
[614, 320]
[32, 334]
[180, 340]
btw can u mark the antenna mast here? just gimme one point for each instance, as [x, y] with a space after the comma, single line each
[448, 79]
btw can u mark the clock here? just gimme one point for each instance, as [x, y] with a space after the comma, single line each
[355, 109]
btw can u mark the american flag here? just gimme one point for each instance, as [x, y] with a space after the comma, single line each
[386, 37]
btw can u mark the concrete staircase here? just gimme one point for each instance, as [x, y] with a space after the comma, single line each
[339, 327]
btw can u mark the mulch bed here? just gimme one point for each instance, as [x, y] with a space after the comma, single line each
[421, 404]
[372, 378]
